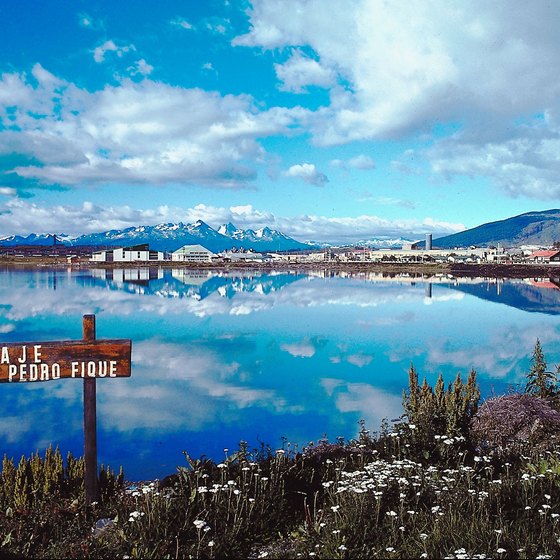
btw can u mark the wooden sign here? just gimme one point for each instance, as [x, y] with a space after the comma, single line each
[87, 359]
[46, 361]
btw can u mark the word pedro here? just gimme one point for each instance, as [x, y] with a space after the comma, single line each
[48, 361]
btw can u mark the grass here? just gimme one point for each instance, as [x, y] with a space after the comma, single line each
[375, 497]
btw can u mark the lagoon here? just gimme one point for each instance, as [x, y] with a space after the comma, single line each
[282, 358]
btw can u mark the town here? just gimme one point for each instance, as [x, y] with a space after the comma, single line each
[414, 253]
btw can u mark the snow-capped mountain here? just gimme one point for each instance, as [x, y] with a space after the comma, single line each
[170, 236]
[37, 239]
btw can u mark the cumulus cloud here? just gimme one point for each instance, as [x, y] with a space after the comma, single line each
[141, 67]
[396, 69]
[301, 71]
[308, 172]
[110, 46]
[141, 132]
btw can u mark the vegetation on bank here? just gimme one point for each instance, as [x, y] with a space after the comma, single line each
[453, 478]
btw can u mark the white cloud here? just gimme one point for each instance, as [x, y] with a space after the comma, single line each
[398, 68]
[181, 22]
[110, 46]
[8, 191]
[300, 72]
[308, 172]
[527, 166]
[140, 132]
[409, 64]
[141, 67]
[85, 20]
[361, 162]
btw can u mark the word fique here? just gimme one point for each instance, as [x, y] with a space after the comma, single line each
[46, 361]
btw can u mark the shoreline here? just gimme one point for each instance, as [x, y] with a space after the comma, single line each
[486, 270]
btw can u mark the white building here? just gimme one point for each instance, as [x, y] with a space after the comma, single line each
[245, 256]
[136, 253]
[193, 253]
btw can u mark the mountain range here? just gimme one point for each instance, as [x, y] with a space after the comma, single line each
[532, 228]
[169, 237]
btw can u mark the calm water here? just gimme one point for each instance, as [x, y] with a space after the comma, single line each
[221, 357]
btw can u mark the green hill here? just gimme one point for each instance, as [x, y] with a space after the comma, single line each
[532, 228]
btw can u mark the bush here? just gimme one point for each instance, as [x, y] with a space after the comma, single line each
[515, 420]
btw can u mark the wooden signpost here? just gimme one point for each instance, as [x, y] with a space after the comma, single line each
[87, 359]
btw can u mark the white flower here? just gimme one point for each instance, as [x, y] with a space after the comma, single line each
[335, 508]
[134, 515]
[391, 513]
[501, 550]
[199, 523]
[342, 547]
[390, 549]
[222, 466]
[210, 543]
[423, 536]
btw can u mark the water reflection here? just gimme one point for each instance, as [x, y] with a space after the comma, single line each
[224, 356]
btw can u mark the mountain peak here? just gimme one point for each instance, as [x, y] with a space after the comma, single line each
[227, 229]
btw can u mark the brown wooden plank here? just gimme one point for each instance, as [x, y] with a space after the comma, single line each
[51, 360]
[90, 421]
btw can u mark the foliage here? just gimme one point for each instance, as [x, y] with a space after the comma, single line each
[515, 420]
[43, 507]
[440, 410]
[541, 382]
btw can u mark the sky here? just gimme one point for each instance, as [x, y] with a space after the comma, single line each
[330, 121]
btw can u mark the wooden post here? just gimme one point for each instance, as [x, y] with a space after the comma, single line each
[90, 421]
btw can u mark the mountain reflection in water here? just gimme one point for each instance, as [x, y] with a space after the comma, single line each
[531, 294]
[224, 356]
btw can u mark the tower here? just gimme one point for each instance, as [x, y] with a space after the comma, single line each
[428, 242]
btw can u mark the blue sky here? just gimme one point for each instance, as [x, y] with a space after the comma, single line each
[328, 120]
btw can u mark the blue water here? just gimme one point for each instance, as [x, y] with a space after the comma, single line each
[223, 357]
